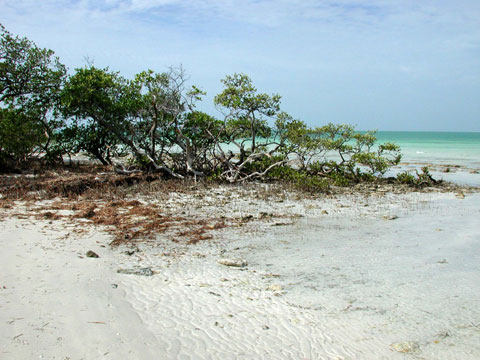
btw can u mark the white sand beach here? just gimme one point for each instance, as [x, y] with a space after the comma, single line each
[389, 276]
[239, 180]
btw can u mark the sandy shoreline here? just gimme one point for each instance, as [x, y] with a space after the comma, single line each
[332, 278]
[57, 304]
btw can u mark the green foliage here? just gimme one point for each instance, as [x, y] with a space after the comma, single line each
[306, 182]
[15, 148]
[96, 94]
[339, 179]
[154, 118]
[295, 137]
[350, 150]
[202, 128]
[261, 164]
[240, 97]
[98, 104]
[406, 178]
[203, 132]
[30, 77]
[30, 80]
[300, 179]
[418, 180]
[168, 129]
[246, 112]
[335, 153]
[79, 136]
[379, 161]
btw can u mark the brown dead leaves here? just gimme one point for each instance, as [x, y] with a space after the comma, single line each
[132, 221]
[89, 196]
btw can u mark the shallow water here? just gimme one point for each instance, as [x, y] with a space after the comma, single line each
[450, 156]
[457, 151]
[447, 148]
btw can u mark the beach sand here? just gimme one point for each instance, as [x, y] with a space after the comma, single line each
[390, 276]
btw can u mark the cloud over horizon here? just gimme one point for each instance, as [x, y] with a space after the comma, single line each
[392, 65]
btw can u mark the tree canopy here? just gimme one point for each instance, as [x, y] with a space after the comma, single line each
[30, 82]
[152, 120]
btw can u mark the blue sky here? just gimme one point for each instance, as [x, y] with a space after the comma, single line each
[380, 64]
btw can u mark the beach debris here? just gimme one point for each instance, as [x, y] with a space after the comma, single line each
[443, 261]
[324, 212]
[140, 271]
[265, 327]
[233, 262]
[443, 335]
[87, 213]
[275, 287]
[390, 217]
[50, 215]
[265, 215]
[92, 254]
[247, 218]
[271, 275]
[460, 195]
[114, 286]
[405, 347]
[199, 255]
[282, 223]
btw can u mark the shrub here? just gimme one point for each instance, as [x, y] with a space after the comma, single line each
[19, 137]
[419, 180]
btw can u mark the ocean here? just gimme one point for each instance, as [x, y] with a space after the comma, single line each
[438, 148]
[451, 156]
[456, 149]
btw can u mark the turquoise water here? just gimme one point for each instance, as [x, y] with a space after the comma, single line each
[439, 148]
[459, 151]
[447, 148]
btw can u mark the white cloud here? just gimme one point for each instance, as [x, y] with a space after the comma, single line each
[308, 50]
[278, 12]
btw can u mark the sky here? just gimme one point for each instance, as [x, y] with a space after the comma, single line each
[402, 65]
